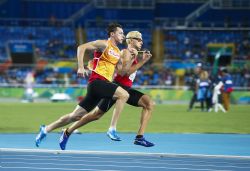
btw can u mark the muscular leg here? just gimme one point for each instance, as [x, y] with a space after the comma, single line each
[66, 119]
[137, 99]
[91, 116]
[121, 97]
[145, 102]
[147, 107]
[120, 94]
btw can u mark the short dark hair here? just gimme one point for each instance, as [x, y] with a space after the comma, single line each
[112, 27]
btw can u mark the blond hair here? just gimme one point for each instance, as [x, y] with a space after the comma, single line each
[204, 75]
[133, 34]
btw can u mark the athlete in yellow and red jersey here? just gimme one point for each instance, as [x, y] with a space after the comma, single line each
[100, 85]
[100, 81]
[123, 78]
[104, 65]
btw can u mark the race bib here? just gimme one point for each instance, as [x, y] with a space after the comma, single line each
[132, 76]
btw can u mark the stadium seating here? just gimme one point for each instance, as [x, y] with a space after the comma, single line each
[191, 44]
[49, 44]
[42, 24]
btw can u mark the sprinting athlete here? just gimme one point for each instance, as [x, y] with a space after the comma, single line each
[100, 82]
[124, 78]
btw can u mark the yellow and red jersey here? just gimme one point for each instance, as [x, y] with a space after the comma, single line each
[126, 80]
[104, 63]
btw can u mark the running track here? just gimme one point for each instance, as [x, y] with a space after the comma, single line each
[208, 152]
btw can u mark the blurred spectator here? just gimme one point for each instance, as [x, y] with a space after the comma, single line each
[194, 86]
[216, 99]
[29, 83]
[203, 93]
[227, 88]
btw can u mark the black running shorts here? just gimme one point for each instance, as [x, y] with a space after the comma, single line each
[97, 90]
[134, 97]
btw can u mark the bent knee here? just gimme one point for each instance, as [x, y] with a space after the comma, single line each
[75, 116]
[125, 95]
[121, 94]
[97, 116]
[148, 103]
[151, 105]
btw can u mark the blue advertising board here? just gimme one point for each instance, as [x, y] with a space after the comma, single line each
[21, 47]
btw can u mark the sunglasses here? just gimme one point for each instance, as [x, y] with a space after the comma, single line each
[138, 39]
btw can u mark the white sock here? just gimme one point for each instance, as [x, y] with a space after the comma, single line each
[44, 130]
[112, 128]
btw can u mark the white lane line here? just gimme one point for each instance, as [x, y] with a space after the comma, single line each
[122, 153]
[47, 168]
[164, 159]
[119, 166]
[137, 161]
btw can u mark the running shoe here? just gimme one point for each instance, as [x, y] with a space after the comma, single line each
[143, 142]
[113, 135]
[63, 140]
[41, 135]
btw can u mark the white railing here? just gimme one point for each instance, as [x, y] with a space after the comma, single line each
[16, 85]
[181, 23]
[198, 12]
[230, 4]
[80, 13]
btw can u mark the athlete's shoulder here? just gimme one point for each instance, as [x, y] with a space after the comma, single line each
[101, 44]
[125, 51]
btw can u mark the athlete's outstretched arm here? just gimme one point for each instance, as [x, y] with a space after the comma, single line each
[94, 45]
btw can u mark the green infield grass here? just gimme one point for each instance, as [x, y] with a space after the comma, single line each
[26, 118]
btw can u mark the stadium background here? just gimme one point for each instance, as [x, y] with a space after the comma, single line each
[42, 35]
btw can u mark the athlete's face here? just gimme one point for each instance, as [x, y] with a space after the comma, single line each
[197, 70]
[137, 43]
[119, 35]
